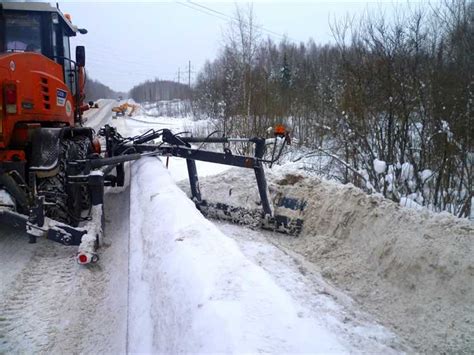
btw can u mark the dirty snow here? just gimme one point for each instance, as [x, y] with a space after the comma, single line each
[412, 269]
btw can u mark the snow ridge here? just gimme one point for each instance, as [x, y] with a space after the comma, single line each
[193, 289]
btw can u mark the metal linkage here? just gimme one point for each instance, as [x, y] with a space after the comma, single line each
[176, 146]
[37, 225]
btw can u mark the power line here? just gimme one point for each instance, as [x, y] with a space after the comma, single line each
[234, 19]
[223, 16]
[115, 54]
[205, 12]
[149, 74]
[109, 66]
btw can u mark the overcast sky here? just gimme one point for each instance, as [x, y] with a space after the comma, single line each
[128, 43]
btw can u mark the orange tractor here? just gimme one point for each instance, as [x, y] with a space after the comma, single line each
[41, 129]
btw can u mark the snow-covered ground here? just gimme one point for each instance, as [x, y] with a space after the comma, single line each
[171, 281]
[411, 269]
[194, 290]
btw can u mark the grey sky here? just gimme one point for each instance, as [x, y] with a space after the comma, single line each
[128, 43]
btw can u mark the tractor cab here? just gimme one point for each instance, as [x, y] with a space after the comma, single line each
[40, 28]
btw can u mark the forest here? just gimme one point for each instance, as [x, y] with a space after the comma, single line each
[96, 90]
[388, 105]
[159, 90]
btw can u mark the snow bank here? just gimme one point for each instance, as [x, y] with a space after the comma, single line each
[412, 269]
[409, 203]
[169, 108]
[192, 290]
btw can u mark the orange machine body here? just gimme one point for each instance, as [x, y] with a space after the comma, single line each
[42, 97]
[40, 85]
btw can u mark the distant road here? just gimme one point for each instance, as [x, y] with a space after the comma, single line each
[97, 117]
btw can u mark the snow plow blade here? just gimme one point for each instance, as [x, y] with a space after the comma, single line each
[251, 218]
[278, 222]
[287, 217]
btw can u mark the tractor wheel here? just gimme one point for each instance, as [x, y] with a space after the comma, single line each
[64, 202]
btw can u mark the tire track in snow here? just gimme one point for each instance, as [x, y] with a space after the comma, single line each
[28, 312]
[128, 274]
[51, 303]
[48, 303]
[56, 305]
[15, 251]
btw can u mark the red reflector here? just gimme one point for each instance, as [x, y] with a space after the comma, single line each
[82, 258]
[96, 145]
[10, 94]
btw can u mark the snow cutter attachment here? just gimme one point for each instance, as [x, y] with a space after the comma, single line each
[266, 218]
[180, 146]
[24, 206]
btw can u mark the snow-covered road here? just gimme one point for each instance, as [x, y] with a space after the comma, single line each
[171, 281]
[98, 117]
[49, 303]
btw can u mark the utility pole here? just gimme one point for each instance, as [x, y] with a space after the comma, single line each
[179, 76]
[189, 74]
[189, 85]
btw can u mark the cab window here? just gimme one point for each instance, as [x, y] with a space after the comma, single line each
[55, 35]
[69, 70]
[23, 33]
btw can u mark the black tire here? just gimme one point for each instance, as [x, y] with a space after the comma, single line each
[65, 202]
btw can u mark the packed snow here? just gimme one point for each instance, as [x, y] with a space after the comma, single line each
[187, 297]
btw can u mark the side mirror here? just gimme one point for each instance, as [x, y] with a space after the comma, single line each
[80, 56]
